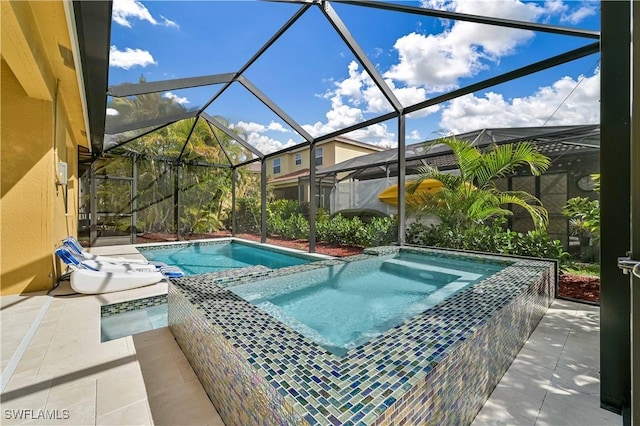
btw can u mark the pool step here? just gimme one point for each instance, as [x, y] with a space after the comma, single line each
[424, 271]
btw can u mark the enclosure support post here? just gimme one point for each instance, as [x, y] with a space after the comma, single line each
[93, 206]
[635, 220]
[615, 362]
[263, 200]
[312, 197]
[402, 208]
[233, 201]
[176, 201]
[134, 199]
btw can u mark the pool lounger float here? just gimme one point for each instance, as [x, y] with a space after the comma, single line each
[97, 282]
[76, 248]
[93, 277]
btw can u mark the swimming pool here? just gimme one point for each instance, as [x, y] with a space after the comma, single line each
[343, 306]
[438, 367]
[204, 257]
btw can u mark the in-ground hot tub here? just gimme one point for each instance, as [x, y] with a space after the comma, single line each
[341, 307]
[434, 366]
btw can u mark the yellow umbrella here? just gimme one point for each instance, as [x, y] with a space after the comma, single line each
[390, 195]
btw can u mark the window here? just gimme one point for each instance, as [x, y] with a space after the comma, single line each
[298, 159]
[318, 156]
[276, 166]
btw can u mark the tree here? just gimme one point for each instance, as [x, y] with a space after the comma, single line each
[205, 191]
[471, 196]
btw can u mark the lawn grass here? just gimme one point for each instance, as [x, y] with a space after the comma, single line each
[583, 269]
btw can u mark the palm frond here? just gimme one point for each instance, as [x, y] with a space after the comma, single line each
[467, 156]
[502, 160]
[531, 204]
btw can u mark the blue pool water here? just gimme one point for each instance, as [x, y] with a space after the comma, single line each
[132, 322]
[342, 307]
[203, 258]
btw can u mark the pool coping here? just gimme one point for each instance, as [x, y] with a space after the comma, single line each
[233, 273]
[225, 240]
[323, 388]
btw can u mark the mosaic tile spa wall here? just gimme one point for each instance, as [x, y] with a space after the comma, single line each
[438, 368]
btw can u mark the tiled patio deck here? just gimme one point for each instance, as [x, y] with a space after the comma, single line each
[65, 372]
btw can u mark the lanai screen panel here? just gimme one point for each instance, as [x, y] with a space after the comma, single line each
[205, 200]
[424, 58]
[248, 117]
[129, 110]
[543, 99]
[311, 73]
[229, 149]
[192, 34]
[248, 200]
[134, 115]
[166, 143]
[155, 198]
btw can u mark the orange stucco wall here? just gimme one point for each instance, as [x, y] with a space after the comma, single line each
[42, 123]
[33, 218]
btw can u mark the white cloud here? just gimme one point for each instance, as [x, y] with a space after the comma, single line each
[249, 127]
[125, 11]
[256, 137]
[356, 95]
[579, 14]
[112, 111]
[414, 135]
[439, 61]
[376, 134]
[512, 9]
[260, 128]
[177, 99]
[129, 58]
[277, 127]
[169, 23]
[432, 63]
[555, 7]
[267, 145]
[492, 110]
[338, 117]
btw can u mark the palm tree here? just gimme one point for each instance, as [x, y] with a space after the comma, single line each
[472, 197]
[206, 191]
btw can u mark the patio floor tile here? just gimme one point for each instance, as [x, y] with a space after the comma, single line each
[145, 378]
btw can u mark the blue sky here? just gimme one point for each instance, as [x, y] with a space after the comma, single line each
[314, 77]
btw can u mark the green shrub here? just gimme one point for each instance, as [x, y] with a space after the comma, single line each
[296, 227]
[537, 244]
[584, 217]
[321, 213]
[492, 239]
[275, 224]
[353, 232]
[284, 221]
[248, 214]
[282, 208]
[333, 231]
[381, 231]
[365, 215]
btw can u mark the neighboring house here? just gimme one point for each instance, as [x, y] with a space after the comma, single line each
[288, 173]
[574, 152]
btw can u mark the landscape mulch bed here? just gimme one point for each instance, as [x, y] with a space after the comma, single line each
[579, 287]
[571, 286]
